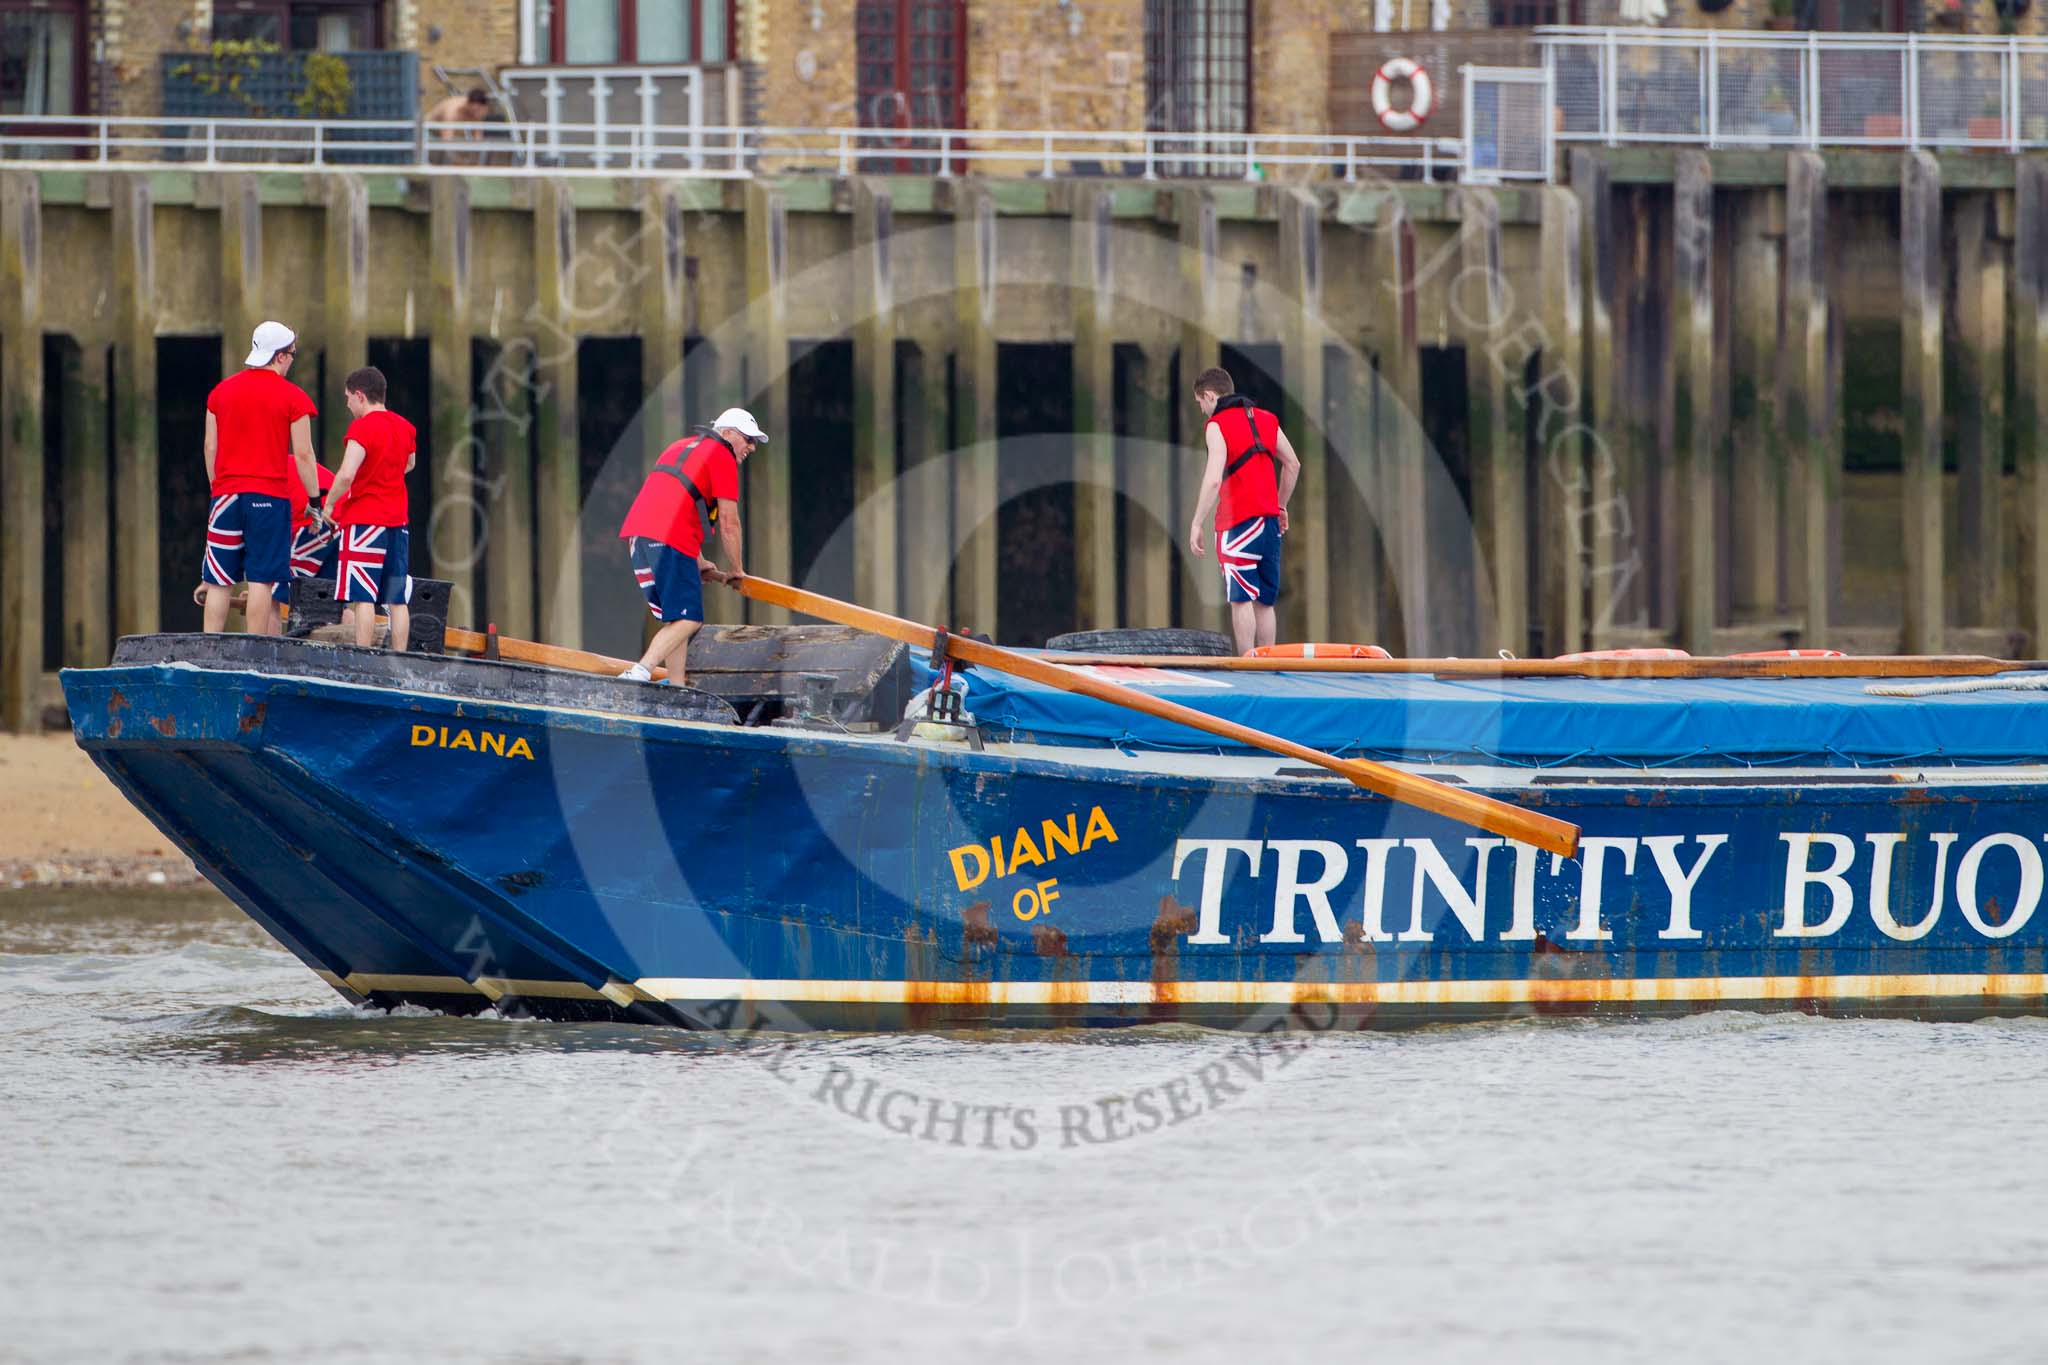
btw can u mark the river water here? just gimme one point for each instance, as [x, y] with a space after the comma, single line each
[207, 1156]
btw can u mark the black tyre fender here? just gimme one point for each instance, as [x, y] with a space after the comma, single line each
[1190, 643]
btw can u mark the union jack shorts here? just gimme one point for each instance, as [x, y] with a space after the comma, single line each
[248, 540]
[374, 565]
[314, 550]
[1250, 555]
[669, 579]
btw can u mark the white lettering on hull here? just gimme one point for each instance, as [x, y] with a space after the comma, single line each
[1216, 854]
[1664, 848]
[1820, 897]
[2030, 885]
[1800, 874]
[1882, 847]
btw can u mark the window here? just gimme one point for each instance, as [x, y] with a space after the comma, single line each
[1854, 16]
[1530, 13]
[1198, 66]
[605, 32]
[300, 25]
[912, 59]
[41, 60]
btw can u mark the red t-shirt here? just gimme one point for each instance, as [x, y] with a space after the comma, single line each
[377, 497]
[1254, 490]
[253, 412]
[665, 511]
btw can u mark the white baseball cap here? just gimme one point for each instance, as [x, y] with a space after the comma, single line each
[742, 421]
[269, 339]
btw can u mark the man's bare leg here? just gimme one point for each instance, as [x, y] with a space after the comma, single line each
[1266, 622]
[401, 625]
[1243, 625]
[262, 611]
[215, 614]
[666, 640]
[362, 619]
[678, 658]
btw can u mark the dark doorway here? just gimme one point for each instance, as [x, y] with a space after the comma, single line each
[408, 378]
[821, 465]
[1255, 370]
[55, 349]
[1035, 580]
[1447, 415]
[608, 400]
[187, 368]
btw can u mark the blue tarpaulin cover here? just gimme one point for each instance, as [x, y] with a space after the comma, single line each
[1538, 721]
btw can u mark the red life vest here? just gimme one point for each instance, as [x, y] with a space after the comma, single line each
[1251, 468]
[672, 506]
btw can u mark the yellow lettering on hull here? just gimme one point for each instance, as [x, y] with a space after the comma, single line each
[494, 742]
[974, 864]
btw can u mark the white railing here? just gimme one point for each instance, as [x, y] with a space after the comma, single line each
[1704, 87]
[1507, 123]
[611, 148]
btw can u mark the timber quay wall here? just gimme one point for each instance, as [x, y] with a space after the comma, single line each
[1719, 400]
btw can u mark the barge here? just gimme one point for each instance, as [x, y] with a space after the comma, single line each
[778, 847]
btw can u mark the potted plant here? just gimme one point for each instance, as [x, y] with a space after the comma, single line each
[259, 79]
[1780, 17]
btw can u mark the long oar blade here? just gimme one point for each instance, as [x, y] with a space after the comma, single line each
[1456, 803]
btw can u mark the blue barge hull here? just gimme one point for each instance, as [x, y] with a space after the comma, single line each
[555, 857]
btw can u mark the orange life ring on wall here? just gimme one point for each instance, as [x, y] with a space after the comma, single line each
[1421, 95]
[1319, 652]
[1583, 656]
[1791, 654]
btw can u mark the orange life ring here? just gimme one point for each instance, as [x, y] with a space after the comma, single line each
[1622, 654]
[1421, 96]
[1319, 652]
[1791, 654]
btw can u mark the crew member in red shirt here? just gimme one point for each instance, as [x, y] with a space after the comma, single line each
[313, 546]
[259, 442]
[1249, 478]
[313, 537]
[368, 508]
[694, 485]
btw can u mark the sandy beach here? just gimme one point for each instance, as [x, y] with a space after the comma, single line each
[63, 824]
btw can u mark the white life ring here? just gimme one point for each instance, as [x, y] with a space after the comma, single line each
[1421, 99]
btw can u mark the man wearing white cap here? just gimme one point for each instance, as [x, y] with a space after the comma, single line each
[694, 486]
[259, 442]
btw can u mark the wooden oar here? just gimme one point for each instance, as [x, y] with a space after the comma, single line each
[1466, 807]
[549, 656]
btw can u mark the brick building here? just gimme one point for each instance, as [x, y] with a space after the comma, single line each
[1267, 66]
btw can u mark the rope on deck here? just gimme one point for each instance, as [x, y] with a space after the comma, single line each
[1945, 688]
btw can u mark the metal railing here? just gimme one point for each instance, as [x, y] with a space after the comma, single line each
[1739, 89]
[1507, 123]
[612, 148]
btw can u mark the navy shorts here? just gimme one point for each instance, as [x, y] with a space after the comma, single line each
[375, 565]
[248, 540]
[669, 579]
[1250, 555]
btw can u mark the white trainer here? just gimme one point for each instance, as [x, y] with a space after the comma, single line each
[638, 673]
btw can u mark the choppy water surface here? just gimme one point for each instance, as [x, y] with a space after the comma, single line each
[207, 1156]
